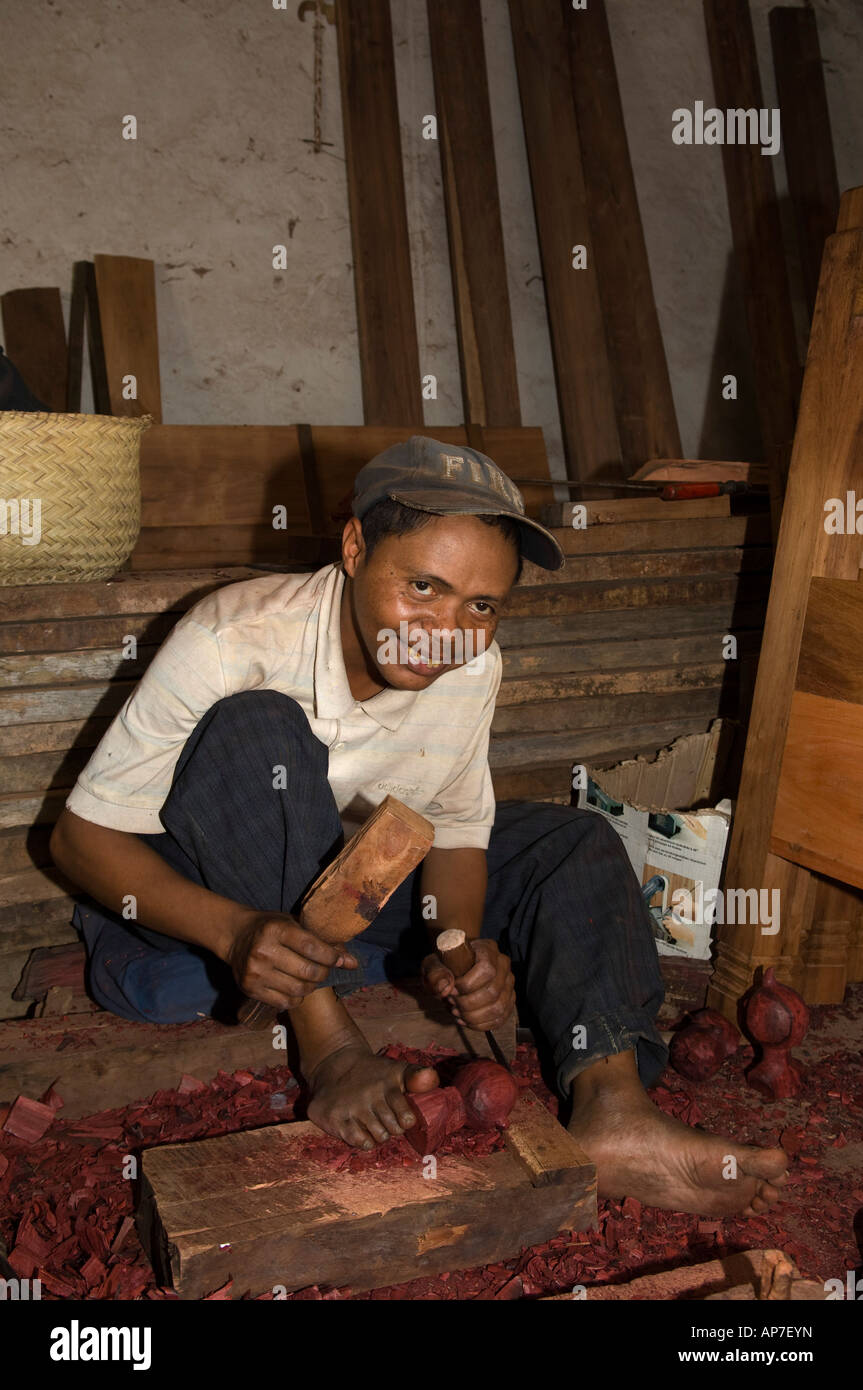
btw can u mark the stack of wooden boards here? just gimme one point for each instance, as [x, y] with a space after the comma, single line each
[617, 654]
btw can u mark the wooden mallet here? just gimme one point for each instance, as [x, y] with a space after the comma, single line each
[351, 891]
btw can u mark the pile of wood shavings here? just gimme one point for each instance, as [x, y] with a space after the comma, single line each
[67, 1210]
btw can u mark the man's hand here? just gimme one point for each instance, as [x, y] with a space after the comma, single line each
[484, 997]
[277, 961]
[359, 1097]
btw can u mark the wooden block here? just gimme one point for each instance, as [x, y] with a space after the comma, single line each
[35, 340]
[700, 471]
[250, 1207]
[126, 287]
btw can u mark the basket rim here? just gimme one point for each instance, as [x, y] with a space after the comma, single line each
[140, 422]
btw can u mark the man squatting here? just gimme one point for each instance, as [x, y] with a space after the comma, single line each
[182, 806]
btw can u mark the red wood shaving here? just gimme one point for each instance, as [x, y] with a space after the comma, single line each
[66, 1211]
[28, 1119]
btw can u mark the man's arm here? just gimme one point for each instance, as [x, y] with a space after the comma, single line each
[456, 880]
[272, 957]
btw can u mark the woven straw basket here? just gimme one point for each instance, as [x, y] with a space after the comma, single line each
[70, 497]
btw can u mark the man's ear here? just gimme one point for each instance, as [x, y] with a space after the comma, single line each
[353, 546]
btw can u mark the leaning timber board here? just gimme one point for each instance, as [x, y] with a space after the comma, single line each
[252, 1208]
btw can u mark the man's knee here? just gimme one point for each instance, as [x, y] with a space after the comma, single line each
[265, 721]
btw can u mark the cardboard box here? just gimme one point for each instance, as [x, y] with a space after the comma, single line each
[675, 840]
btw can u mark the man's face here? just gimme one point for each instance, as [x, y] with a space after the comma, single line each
[428, 602]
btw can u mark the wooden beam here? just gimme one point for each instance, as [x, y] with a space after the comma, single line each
[386, 319]
[486, 349]
[806, 137]
[757, 234]
[579, 347]
[646, 417]
[126, 289]
[35, 340]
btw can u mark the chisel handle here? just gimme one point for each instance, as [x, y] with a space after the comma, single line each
[456, 952]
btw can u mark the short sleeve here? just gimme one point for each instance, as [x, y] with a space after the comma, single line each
[128, 778]
[463, 810]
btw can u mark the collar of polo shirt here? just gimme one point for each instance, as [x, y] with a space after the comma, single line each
[333, 698]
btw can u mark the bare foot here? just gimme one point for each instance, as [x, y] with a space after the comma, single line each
[640, 1152]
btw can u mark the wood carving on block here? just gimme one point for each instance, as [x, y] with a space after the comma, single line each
[256, 1208]
[481, 1097]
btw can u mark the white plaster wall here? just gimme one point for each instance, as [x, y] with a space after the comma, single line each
[223, 169]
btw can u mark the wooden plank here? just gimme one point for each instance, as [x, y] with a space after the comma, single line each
[599, 513]
[831, 649]
[615, 712]
[818, 821]
[604, 657]
[386, 320]
[757, 234]
[578, 339]
[546, 1151]
[252, 1207]
[825, 464]
[525, 750]
[34, 886]
[218, 475]
[122, 593]
[604, 596]
[23, 810]
[109, 1061]
[477, 259]
[646, 417]
[198, 547]
[81, 634]
[662, 680]
[665, 535]
[62, 668]
[34, 337]
[67, 703]
[23, 848]
[518, 634]
[126, 289]
[751, 559]
[39, 772]
[807, 143]
[18, 741]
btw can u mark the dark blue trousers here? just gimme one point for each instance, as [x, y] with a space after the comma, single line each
[563, 901]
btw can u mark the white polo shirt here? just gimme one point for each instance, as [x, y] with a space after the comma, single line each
[281, 632]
